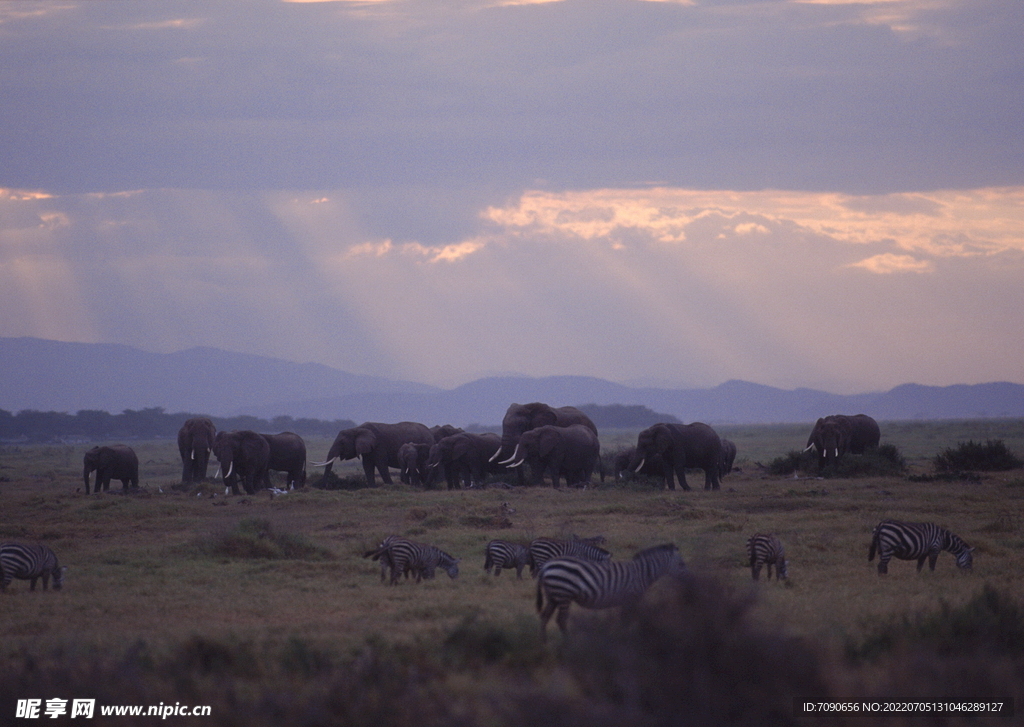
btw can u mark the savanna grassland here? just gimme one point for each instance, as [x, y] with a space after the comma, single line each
[265, 608]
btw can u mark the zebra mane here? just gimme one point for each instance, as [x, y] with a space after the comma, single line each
[445, 558]
[953, 542]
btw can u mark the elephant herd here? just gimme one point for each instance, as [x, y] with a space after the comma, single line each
[551, 442]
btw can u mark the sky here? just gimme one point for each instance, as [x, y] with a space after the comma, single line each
[798, 193]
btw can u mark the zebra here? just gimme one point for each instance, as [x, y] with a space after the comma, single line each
[29, 563]
[907, 541]
[503, 554]
[404, 556]
[600, 584]
[544, 549]
[767, 550]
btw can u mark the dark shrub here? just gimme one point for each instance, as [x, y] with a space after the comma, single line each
[992, 456]
[256, 538]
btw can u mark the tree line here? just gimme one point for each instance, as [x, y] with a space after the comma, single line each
[155, 423]
[152, 423]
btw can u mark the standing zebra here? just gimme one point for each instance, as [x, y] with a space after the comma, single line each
[544, 549]
[382, 553]
[767, 550]
[503, 554]
[907, 541]
[405, 556]
[600, 584]
[29, 563]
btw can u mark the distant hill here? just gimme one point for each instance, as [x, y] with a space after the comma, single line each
[54, 376]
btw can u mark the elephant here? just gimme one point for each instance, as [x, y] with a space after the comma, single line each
[412, 460]
[114, 462]
[520, 418]
[654, 466]
[243, 455]
[681, 446]
[195, 441]
[377, 445]
[727, 459]
[444, 430]
[287, 454]
[572, 451]
[835, 435]
[464, 456]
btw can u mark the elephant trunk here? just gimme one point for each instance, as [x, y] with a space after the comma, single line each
[85, 477]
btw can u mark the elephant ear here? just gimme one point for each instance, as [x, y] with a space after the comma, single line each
[547, 441]
[543, 415]
[663, 440]
[365, 442]
[460, 448]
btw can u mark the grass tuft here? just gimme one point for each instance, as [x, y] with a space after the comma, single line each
[256, 538]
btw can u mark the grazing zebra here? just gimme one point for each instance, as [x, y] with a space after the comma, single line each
[544, 549]
[767, 550]
[907, 541]
[404, 556]
[29, 563]
[600, 584]
[503, 554]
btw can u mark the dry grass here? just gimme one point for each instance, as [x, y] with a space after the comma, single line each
[140, 566]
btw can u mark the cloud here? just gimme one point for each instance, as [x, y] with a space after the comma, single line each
[887, 263]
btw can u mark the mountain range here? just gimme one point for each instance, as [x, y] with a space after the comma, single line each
[56, 376]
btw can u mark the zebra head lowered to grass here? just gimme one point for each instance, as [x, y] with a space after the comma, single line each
[767, 550]
[600, 584]
[29, 563]
[407, 556]
[916, 541]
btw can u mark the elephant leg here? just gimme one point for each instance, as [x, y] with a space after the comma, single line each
[385, 473]
[368, 468]
[681, 474]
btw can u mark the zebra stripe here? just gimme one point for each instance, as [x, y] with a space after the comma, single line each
[600, 584]
[767, 550]
[920, 541]
[503, 554]
[407, 556]
[29, 563]
[544, 549]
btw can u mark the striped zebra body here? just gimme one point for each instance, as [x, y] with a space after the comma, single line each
[766, 550]
[599, 584]
[29, 563]
[916, 541]
[544, 549]
[503, 554]
[406, 556]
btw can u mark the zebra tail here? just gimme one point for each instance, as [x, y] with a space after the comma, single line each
[874, 547]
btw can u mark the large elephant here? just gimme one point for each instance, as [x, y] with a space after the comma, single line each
[572, 452]
[195, 442]
[412, 462]
[682, 446]
[520, 418]
[377, 445]
[243, 455]
[838, 434]
[727, 459]
[464, 456]
[114, 462]
[287, 454]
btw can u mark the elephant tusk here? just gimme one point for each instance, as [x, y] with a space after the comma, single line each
[218, 472]
[231, 468]
[193, 454]
[495, 455]
[809, 448]
[837, 451]
[517, 464]
[323, 464]
[512, 458]
[637, 468]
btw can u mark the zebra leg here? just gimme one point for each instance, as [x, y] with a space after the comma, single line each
[755, 571]
[932, 557]
[562, 619]
[545, 616]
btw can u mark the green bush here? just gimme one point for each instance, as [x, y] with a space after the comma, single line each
[992, 456]
[256, 538]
